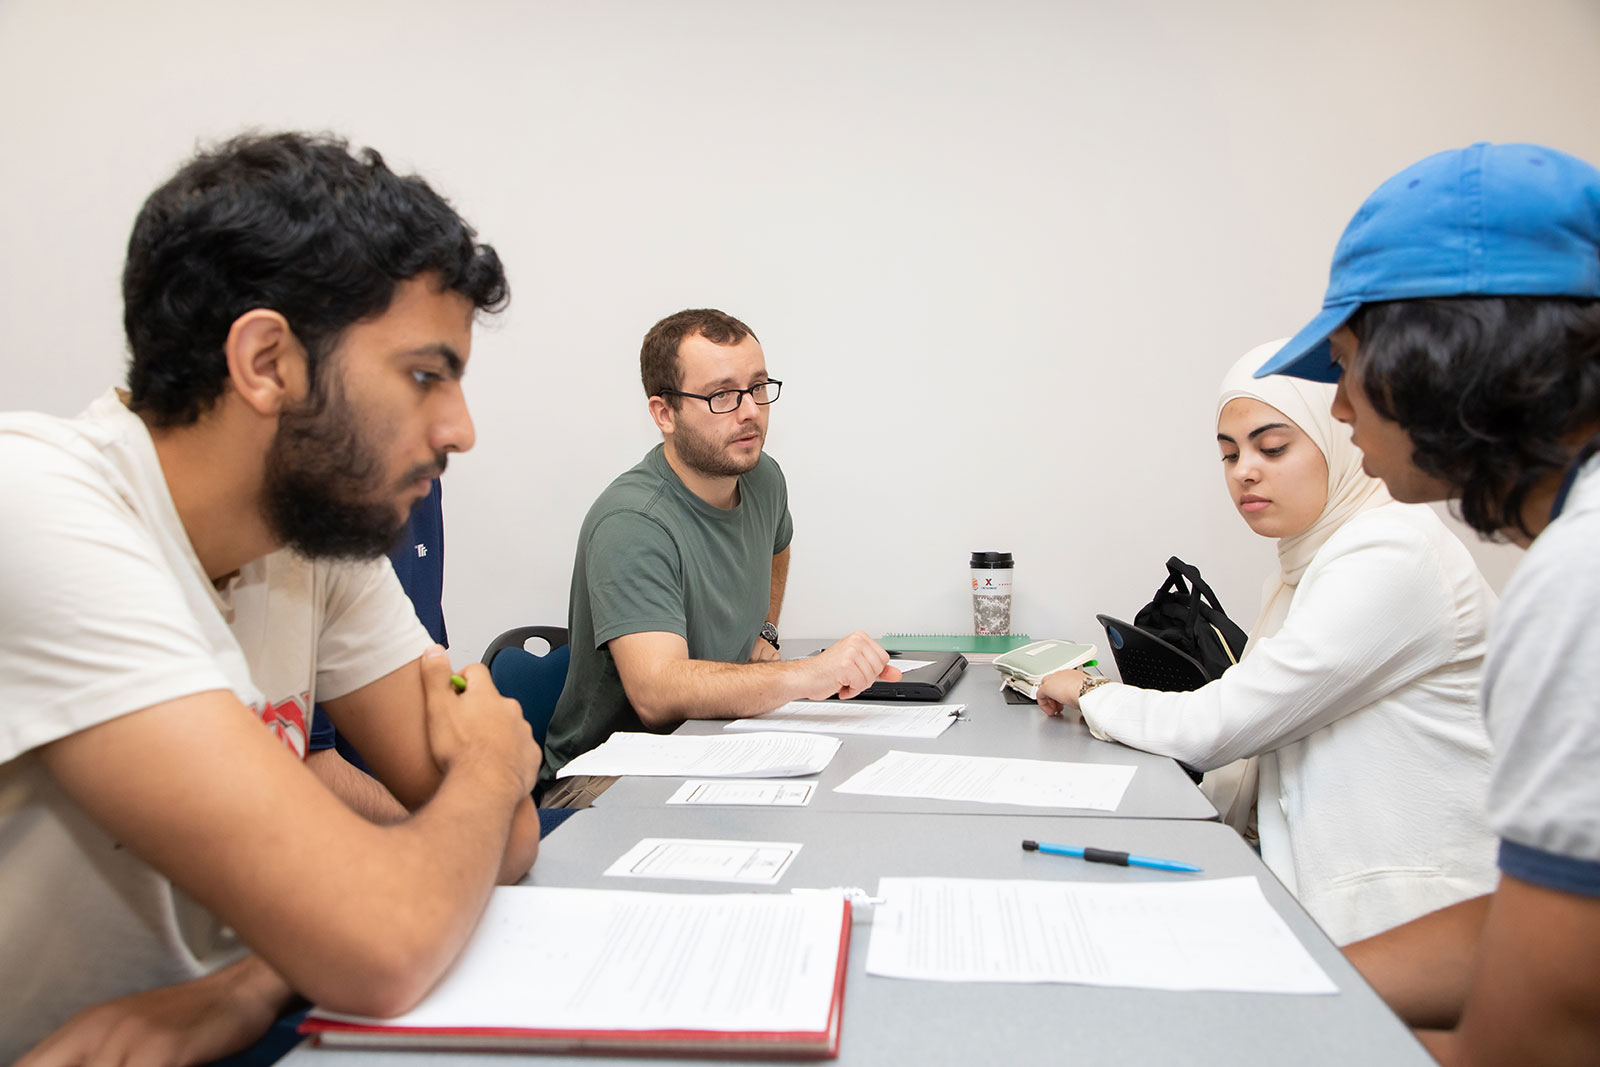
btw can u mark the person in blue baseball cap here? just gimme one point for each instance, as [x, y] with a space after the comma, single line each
[1462, 324]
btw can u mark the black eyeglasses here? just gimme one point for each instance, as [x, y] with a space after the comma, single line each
[728, 400]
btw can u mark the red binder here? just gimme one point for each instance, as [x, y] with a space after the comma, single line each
[822, 1043]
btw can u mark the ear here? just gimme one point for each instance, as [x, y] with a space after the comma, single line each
[266, 362]
[662, 415]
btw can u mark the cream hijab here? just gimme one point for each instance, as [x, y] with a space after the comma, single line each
[1350, 489]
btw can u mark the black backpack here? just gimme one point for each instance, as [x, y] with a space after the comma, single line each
[1186, 613]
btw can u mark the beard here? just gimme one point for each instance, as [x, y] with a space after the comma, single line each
[324, 494]
[708, 455]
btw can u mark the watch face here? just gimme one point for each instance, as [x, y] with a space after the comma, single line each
[769, 633]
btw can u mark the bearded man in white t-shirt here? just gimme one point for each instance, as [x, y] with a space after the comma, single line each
[196, 557]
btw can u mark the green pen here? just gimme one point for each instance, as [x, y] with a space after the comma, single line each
[458, 683]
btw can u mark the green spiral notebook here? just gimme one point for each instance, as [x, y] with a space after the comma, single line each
[983, 644]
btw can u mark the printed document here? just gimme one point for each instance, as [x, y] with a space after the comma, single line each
[745, 792]
[763, 755]
[751, 862]
[852, 717]
[1216, 934]
[993, 780]
[598, 959]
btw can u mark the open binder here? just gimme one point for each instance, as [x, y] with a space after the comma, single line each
[596, 970]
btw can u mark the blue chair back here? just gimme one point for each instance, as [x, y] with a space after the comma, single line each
[535, 682]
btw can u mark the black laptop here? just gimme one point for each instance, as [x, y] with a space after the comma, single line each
[929, 684]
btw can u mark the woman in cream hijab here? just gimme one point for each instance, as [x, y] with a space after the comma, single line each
[1358, 687]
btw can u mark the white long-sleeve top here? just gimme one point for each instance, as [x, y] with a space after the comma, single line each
[1364, 709]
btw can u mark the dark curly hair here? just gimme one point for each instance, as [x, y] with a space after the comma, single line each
[287, 221]
[1491, 391]
[658, 356]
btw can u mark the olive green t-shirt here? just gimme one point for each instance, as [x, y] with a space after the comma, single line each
[652, 556]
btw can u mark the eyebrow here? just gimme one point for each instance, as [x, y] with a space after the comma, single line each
[443, 351]
[733, 383]
[1257, 432]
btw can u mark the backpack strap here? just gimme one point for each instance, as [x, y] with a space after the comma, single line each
[1225, 646]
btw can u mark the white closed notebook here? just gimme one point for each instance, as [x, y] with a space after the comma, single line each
[1032, 663]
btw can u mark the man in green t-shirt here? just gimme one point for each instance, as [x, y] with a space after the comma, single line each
[682, 560]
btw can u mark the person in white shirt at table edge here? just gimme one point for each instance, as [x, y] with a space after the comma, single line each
[1357, 689]
[202, 555]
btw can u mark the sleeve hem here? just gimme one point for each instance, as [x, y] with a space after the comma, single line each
[1550, 870]
[640, 626]
[111, 699]
[350, 679]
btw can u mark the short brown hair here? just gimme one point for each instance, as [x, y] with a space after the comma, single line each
[658, 357]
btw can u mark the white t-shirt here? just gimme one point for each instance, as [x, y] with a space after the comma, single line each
[1364, 707]
[106, 611]
[1541, 698]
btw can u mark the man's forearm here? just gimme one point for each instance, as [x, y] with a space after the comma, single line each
[439, 867]
[780, 581]
[386, 718]
[361, 792]
[367, 797]
[1423, 968]
[666, 687]
[522, 845]
[702, 689]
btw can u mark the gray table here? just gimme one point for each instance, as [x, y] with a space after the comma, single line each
[888, 1021]
[1159, 790]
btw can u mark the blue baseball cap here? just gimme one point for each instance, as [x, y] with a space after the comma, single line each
[1489, 220]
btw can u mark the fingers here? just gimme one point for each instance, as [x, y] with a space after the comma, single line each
[475, 720]
[858, 661]
[1048, 706]
[92, 1036]
[435, 664]
[476, 675]
[67, 1046]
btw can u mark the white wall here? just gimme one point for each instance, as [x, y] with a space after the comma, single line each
[1000, 252]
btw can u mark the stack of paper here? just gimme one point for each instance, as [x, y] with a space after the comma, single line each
[993, 780]
[1219, 934]
[699, 859]
[853, 717]
[745, 792]
[764, 755]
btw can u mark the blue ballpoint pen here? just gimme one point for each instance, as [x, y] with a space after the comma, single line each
[1101, 855]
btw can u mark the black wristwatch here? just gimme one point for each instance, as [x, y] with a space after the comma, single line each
[769, 634]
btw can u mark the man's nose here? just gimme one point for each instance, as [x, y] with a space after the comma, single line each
[453, 430]
[747, 397]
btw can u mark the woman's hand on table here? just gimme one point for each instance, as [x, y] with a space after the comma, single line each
[1060, 690]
